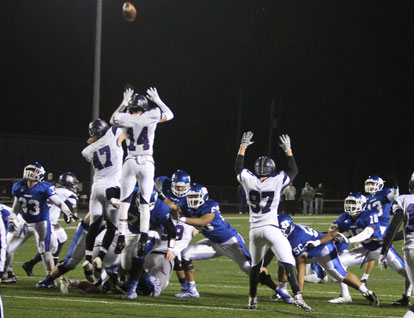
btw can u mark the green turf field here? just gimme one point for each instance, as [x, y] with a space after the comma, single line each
[223, 291]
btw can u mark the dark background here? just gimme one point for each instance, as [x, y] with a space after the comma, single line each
[338, 72]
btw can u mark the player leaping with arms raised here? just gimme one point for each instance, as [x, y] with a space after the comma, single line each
[139, 124]
[263, 190]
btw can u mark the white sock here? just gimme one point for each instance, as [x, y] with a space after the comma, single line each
[363, 289]
[344, 290]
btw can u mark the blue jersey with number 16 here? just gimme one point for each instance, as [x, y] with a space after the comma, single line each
[33, 201]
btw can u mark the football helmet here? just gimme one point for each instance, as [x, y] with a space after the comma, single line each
[98, 128]
[355, 203]
[373, 184]
[180, 183]
[153, 199]
[264, 167]
[411, 184]
[69, 181]
[286, 224]
[197, 195]
[137, 103]
[34, 172]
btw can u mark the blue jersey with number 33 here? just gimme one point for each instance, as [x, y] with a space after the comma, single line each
[33, 201]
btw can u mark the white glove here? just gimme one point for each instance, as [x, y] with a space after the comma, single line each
[341, 238]
[158, 185]
[246, 139]
[127, 96]
[12, 225]
[153, 96]
[285, 143]
[313, 243]
[382, 262]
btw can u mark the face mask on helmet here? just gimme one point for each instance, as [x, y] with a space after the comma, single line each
[69, 181]
[34, 172]
[98, 128]
[286, 224]
[153, 200]
[180, 183]
[196, 196]
[373, 184]
[137, 103]
[355, 203]
[264, 167]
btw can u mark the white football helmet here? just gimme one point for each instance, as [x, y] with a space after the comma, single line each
[355, 203]
[373, 184]
[34, 172]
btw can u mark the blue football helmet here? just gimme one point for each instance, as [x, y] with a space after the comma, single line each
[411, 184]
[137, 103]
[197, 195]
[264, 167]
[153, 199]
[34, 172]
[98, 128]
[286, 224]
[180, 183]
[373, 184]
[355, 203]
[69, 181]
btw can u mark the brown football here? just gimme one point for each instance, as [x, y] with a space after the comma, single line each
[129, 12]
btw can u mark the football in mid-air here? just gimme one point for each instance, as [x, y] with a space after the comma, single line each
[129, 12]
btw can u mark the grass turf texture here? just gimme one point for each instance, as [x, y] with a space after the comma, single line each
[222, 285]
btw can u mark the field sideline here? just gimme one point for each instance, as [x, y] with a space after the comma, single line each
[223, 291]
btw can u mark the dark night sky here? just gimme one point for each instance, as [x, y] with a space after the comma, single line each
[339, 72]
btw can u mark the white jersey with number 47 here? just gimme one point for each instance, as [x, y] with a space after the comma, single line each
[106, 157]
[263, 196]
[139, 130]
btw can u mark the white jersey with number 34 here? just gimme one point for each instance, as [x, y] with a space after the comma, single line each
[263, 196]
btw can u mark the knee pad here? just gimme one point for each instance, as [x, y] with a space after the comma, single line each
[177, 264]
[187, 265]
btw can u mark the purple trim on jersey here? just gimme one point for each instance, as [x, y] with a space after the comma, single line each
[128, 198]
[48, 235]
[114, 129]
[142, 200]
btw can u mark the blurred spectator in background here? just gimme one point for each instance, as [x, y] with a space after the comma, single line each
[290, 199]
[243, 207]
[306, 196]
[50, 178]
[319, 194]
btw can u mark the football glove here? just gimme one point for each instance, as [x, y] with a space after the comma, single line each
[70, 218]
[246, 139]
[120, 244]
[158, 185]
[174, 215]
[285, 143]
[382, 262]
[12, 225]
[313, 243]
[153, 96]
[341, 238]
[142, 244]
[127, 96]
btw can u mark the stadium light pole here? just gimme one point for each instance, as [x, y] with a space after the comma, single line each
[97, 67]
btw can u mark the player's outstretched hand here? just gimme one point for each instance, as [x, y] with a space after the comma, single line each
[12, 225]
[382, 262]
[127, 96]
[313, 243]
[152, 95]
[285, 143]
[175, 215]
[341, 238]
[246, 140]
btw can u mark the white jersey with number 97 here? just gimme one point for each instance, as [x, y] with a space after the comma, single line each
[263, 196]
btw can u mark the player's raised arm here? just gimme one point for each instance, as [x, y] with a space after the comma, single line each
[153, 96]
[285, 144]
[245, 142]
[127, 97]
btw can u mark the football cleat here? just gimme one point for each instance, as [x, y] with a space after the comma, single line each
[132, 291]
[28, 269]
[97, 268]
[300, 303]
[184, 286]
[157, 286]
[46, 283]
[341, 300]
[88, 271]
[64, 284]
[252, 304]
[372, 298]
[404, 301]
[191, 293]
[283, 296]
[9, 278]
